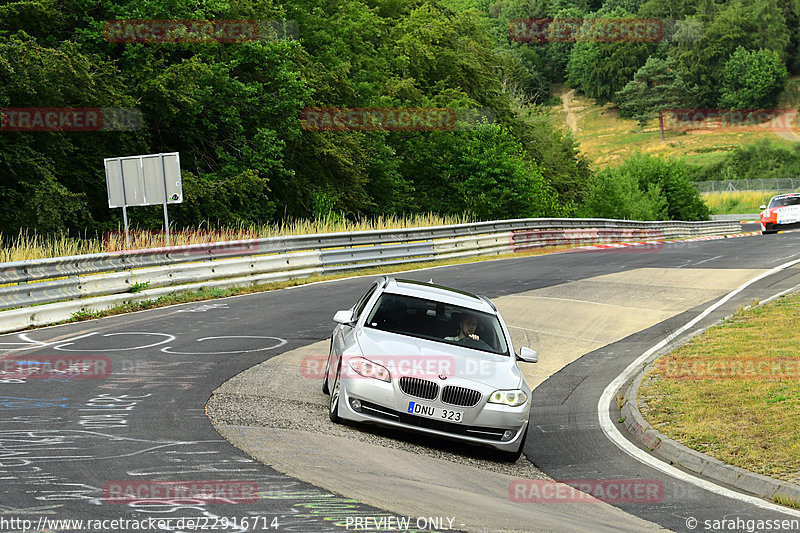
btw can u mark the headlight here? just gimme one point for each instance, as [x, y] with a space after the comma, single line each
[512, 398]
[369, 369]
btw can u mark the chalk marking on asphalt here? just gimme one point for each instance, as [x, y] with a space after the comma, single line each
[707, 260]
[557, 334]
[281, 342]
[614, 435]
[168, 339]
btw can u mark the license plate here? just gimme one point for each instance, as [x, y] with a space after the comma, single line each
[437, 413]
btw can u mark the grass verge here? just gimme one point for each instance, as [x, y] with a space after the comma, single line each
[734, 391]
[737, 202]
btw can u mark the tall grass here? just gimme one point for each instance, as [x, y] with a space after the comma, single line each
[33, 246]
[736, 202]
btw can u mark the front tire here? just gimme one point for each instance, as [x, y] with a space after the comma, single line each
[333, 409]
[325, 388]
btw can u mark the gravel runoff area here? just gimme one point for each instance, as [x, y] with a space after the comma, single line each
[276, 394]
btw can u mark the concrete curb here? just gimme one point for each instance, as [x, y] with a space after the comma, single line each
[696, 462]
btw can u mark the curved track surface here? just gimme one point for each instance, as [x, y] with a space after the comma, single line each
[63, 441]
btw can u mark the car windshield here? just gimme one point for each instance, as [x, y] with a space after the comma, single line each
[437, 321]
[783, 202]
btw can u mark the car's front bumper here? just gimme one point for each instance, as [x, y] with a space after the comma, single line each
[484, 425]
[773, 226]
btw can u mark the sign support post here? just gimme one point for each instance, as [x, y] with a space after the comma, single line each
[124, 206]
[166, 195]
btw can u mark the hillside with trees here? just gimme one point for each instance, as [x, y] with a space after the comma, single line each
[233, 110]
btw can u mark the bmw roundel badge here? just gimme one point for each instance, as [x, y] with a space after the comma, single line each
[442, 377]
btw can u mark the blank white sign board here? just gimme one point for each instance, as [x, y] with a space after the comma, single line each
[145, 180]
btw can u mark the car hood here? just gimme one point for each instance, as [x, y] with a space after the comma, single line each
[405, 355]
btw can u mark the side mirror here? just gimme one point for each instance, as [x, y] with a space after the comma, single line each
[528, 355]
[763, 207]
[344, 317]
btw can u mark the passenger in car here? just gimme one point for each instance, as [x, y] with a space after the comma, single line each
[466, 328]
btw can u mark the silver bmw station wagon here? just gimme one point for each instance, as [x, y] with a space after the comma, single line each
[429, 359]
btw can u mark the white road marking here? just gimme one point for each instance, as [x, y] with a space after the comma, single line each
[281, 342]
[32, 344]
[613, 433]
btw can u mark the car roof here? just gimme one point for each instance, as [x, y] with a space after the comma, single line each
[787, 195]
[431, 291]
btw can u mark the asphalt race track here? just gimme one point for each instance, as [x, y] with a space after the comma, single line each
[68, 445]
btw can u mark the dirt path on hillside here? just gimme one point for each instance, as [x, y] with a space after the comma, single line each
[572, 119]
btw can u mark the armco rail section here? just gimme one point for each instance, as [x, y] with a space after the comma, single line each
[99, 281]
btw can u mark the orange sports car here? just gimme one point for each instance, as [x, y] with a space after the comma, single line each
[782, 213]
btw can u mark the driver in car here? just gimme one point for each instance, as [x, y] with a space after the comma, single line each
[466, 328]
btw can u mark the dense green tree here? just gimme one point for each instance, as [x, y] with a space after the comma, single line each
[668, 9]
[729, 26]
[752, 80]
[50, 181]
[232, 110]
[791, 13]
[601, 69]
[768, 27]
[644, 188]
[483, 172]
[619, 195]
[758, 160]
[672, 178]
[657, 86]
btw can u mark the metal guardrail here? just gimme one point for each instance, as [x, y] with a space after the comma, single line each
[72, 278]
[751, 217]
[770, 184]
